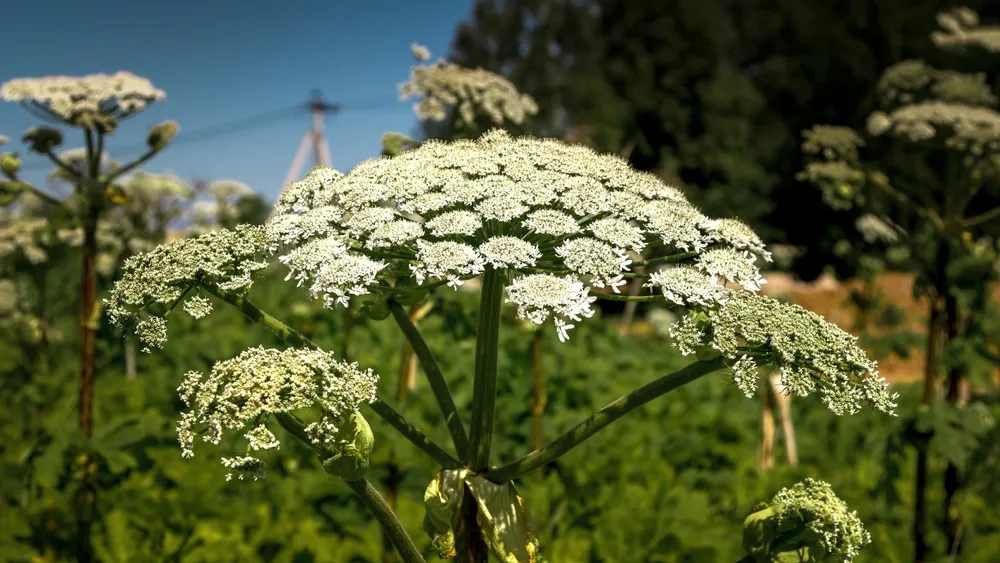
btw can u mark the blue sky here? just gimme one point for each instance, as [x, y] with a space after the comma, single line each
[224, 60]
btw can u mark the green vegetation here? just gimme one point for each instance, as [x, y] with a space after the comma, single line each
[426, 356]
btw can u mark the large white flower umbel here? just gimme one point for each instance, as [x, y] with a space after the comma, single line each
[558, 219]
[545, 223]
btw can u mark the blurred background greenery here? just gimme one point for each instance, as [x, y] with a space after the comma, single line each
[713, 95]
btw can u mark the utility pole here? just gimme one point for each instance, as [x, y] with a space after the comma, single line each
[314, 136]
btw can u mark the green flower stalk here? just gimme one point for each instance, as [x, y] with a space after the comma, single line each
[547, 227]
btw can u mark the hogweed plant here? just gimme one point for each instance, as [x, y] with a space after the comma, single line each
[925, 179]
[541, 224]
[95, 104]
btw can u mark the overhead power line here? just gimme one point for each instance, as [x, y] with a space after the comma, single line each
[237, 126]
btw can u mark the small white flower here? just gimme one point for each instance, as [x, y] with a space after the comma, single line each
[591, 257]
[197, 306]
[446, 260]
[538, 296]
[733, 266]
[464, 223]
[509, 252]
[551, 222]
[686, 286]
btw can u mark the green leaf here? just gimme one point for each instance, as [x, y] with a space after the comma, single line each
[351, 461]
[506, 525]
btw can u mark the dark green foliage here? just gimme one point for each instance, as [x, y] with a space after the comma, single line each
[671, 482]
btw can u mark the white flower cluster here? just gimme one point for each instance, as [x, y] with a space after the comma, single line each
[68, 98]
[560, 219]
[814, 504]
[962, 31]
[248, 389]
[752, 331]
[29, 236]
[166, 274]
[442, 85]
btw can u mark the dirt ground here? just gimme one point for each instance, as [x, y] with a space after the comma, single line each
[828, 297]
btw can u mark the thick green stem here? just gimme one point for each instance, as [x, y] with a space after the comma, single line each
[438, 384]
[390, 524]
[599, 420]
[252, 312]
[416, 437]
[293, 337]
[119, 172]
[383, 513]
[484, 393]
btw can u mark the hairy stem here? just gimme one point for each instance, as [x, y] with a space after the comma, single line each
[602, 418]
[484, 392]
[434, 376]
[982, 218]
[294, 338]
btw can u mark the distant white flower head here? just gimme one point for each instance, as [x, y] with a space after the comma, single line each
[80, 100]
[420, 52]
[227, 188]
[259, 383]
[444, 85]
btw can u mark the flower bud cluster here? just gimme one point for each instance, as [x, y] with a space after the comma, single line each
[248, 389]
[806, 521]
[166, 274]
[753, 331]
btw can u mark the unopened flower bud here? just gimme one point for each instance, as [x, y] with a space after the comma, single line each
[395, 143]
[161, 134]
[43, 140]
[9, 190]
[116, 194]
[376, 309]
[352, 459]
[10, 164]
[410, 296]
